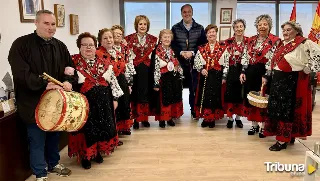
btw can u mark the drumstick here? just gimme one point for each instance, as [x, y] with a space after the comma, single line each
[51, 79]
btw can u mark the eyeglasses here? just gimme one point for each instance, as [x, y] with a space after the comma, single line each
[88, 45]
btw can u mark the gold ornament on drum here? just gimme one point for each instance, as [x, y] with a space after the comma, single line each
[60, 110]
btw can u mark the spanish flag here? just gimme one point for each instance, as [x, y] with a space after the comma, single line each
[314, 34]
[293, 16]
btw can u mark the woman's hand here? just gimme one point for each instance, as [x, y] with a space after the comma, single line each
[115, 104]
[204, 72]
[242, 78]
[264, 81]
[156, 89]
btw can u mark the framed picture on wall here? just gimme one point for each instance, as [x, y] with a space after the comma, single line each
[225, 33]
[60, 15]
[74, 24]
[225, 15]
[28, 10]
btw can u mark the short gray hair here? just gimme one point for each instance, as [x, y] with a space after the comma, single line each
[239, 20]
[261, 17]
[295, 26]
[44, 11]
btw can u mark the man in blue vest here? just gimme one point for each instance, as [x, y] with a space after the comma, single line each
[188, 35]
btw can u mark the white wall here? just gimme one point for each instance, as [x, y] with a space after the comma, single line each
[226, 4]
[93, 15]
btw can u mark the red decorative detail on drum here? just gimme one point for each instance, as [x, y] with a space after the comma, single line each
[69, 111]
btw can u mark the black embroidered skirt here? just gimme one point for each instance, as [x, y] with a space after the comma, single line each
[171, 86]
[140, 87]
[212, 92]
[233, 92]
[254, 74]
[123, 111]
[100, 125]
[282, 98]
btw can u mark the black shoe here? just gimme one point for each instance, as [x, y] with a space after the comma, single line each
[230, 124]
[86, 164]
[136, 125]
[261, 135]
[212, 124]
[126, 132]
[120, 143]
[278, 146]
[171, 123]
[239, 124]
[193, 115]
[162, 124]
[253, 130]
[204, 124]
[293, 139]
[145, 124]
[99, 158]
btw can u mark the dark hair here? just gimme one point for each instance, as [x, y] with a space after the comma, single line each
[211, 26]
[101, 32]
[186, 5]
[86, 35]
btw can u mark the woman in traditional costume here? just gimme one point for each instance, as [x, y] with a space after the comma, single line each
[290, 100]
[168, 76]
[233, 97]
[208, 102]
[259, 51]
[141, 45]
[99, 84]
[118, 54]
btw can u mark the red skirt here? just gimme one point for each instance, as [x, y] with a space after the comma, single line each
[302, 123]
[168, 112]
[255, 114]
[140, 111]
[124, 125]
[209, 115]
[77, 147]
[234, 109]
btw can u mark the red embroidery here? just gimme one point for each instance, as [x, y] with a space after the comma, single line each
[278, 58]
[142, 52]
[93, 74]
[212, 58]
[234, 47]
[258, 54]
[118, 62]
[162, 54]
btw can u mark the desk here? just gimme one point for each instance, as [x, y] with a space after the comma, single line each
[14, 153]
[310, 159]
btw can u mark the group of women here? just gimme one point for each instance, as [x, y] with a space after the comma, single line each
[127, 79]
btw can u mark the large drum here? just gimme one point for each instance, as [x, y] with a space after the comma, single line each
[60, 110]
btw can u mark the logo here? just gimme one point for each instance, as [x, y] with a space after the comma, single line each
[294, 169]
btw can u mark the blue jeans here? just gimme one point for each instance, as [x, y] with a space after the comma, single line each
[44, 150]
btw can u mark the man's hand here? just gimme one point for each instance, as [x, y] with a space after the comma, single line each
[188, 55]
[67, 86]
[51, 86]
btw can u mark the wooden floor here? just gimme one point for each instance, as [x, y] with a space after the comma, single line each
[190, 153]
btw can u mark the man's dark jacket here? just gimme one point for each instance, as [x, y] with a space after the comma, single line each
[30, 56]
[195, 36]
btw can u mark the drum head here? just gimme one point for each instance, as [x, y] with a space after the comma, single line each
[49, 109]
